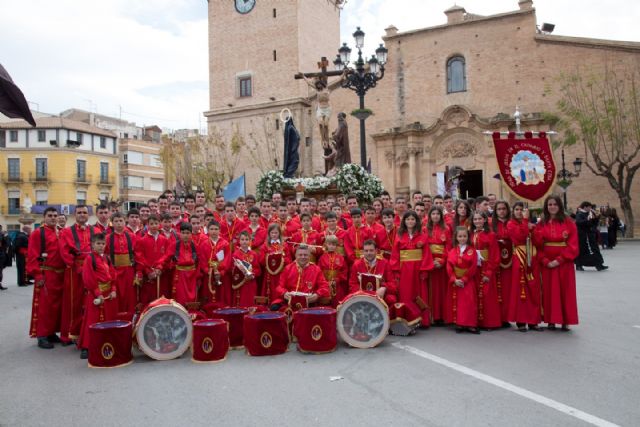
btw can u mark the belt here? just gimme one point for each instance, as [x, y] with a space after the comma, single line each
[459, 272]
[340, 250]
[185, 267]
[122, 260]
[436, 248]
[559, 244]
[55, 270]
[411, 255]
[484, 253]
[104, 286]
[330, 274]
[358, 253]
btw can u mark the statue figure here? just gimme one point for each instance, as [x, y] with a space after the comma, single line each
[341, 138]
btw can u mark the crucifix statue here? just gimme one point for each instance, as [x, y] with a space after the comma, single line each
[319, 82]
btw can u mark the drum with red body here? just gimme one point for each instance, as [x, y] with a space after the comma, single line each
[110, 344]
[266, 334]
[363, 320]
[164, 330]
[235, 318]
[210, 340]
[315, 330]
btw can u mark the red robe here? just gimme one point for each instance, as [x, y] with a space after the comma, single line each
[184, 286]
[339, 233]
[265, 222]
[381, 268]
[258, 237]
[504, 272]
[384, 241]
[151, 254]
[318, 223]
[231, 231]
[439, 241]
[308, 279]
[462, 303]
[310, 237]
[411, 274]
[274, 257]
[212, 291]
[335, 270]
[47, 299]
[245, 295]
[104, 229]
[524, 300]
[198, 238]
[559, 241]
[354, 241]
[98, 281]
[72, 295]
[489, 310]
[125, 272]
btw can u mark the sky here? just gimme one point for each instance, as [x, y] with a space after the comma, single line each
[146, 61]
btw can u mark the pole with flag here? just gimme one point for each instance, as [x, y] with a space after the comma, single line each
[235, 189]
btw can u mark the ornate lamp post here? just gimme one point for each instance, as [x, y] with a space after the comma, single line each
[565, 176]
[361, 78]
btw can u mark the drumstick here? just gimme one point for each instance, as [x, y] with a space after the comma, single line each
[158, 286]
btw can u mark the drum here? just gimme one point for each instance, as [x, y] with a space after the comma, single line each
[235, 318]
[266, 334]
[363, 320]
[405, 319]
[315, 330]
[164, 330]
[110, 344]
[210, 340]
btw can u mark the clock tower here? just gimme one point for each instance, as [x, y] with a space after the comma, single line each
[255, 49]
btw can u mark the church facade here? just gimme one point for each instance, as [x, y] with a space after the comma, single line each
[443, 87]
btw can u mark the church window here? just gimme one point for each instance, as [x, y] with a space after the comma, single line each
[456, 75]
[244, 86]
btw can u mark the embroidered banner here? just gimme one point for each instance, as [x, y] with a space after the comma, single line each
[526, 165]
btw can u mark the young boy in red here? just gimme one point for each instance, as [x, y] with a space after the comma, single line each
[151, 251]
[214, 259]
[334, 268]
[309, 236]
[243, 280]
[184, 259]
[120, 250]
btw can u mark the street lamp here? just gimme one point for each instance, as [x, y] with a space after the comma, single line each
[360, 78]
[565, 176]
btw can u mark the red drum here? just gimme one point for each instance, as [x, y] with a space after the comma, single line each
[315, 330]
[235, 318]
[210, 340]
[164, 330]
[363, 320]
[110, 344]
[266, 334]
[405, 319]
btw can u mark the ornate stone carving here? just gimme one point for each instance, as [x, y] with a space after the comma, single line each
[460, 149]
[390, 156]
[403, 155]
[414, 151]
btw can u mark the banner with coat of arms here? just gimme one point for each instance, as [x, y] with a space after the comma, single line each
[526, 165]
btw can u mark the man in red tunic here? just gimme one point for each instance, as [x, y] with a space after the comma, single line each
[335, 270]
[301, 276]
[120, 246]
[231, 226]
[332, 229]
[103, 224]
[243, 279]
[214, 260]
[309, 236]
[356, 236]
[75, 245]
[386, 236]
[150, 252]
[184, 258]
[46, 267]
[372, 275]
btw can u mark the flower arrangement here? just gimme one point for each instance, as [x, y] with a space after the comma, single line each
[350, 179]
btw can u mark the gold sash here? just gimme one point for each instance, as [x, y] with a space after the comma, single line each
[104, 286]
[55, 270]
[459, 272]
[484, 253]
[411, 255]
[185, 267]
[121, 260]
[330, 274]
[559, 244]
[436, 248]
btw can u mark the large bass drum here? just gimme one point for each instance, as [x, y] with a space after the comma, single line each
[363, 320]
[164, 330]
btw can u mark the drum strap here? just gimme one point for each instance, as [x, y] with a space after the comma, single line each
[76, 239]
[176, 256]
[93, 261]
[112, 248]
[43, 243]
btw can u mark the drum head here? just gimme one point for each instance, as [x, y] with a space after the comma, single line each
[363, 321]
[164, 332]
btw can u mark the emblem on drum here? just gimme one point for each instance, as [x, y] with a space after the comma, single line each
[369, 286]
[207, 345]
[316, 332]
[107, 351]
[504, 253]
[266, 340]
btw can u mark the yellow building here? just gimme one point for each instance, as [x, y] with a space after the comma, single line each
[59, 163]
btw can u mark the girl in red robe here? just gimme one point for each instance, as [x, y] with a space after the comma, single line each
[462, 304]
[461, 216]
[499, 221]
[411, 261]
[524, 305]
[274, 257]
[557, 235]
[485, 243]
[243, 283]
[184, 259]
[439, 241]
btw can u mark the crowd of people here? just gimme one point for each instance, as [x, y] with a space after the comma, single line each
[475, 264]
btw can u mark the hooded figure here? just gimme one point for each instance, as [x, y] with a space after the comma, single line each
[291, 144]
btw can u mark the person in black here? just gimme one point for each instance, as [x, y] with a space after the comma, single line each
[20, 244]
[5, 254]
[614, 226]
[587, 220]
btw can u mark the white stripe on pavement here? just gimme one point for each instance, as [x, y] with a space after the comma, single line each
[553, 404]
[636, 326]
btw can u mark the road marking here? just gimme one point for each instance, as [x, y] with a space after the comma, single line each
[553, 404]
[636, 326]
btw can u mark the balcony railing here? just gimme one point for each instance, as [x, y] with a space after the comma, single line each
[83, 179]
[14, 210]
[11, 177]
[107, 181]
[36, 177]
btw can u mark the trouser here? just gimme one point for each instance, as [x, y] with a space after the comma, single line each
[20, 265]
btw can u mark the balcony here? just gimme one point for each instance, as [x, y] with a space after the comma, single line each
[107, 181]
[11, 178]
[83, 179]
[36, 177]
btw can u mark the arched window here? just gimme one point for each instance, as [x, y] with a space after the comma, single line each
[456, 75]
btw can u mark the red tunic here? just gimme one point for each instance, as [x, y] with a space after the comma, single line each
[245, 295]
[101, 228]
[439, 241]
[213, 291]
[524, 299]
[124, 269]
[310, 237]
[231, 231]
[274, 257]
[339, 233]
[318, 223]
[98, 281]
[258, 237]
[308, 279]
[462, 304]
[489, 310]
[72, 296]
[504, 272]
[354, 241]
[151, 253]
[559, 242]
[384, 241]
[334, 268]
[47, 299]
[184, 285]
[410, 261]
[380, 268]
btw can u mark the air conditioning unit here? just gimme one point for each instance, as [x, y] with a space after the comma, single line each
[53, 142]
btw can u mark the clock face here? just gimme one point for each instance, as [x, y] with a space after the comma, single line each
[245, 6]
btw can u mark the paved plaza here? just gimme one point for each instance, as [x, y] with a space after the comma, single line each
[436, 378]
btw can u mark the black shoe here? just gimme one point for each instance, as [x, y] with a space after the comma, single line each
[84, 353]
[579, 268]
[565, 328]
[474, 331]
[3, 288]
[66, 343]
[535, 328]
[505, 325]
[44, 343]
[54, 338]
[602, 267]
[459, 330]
